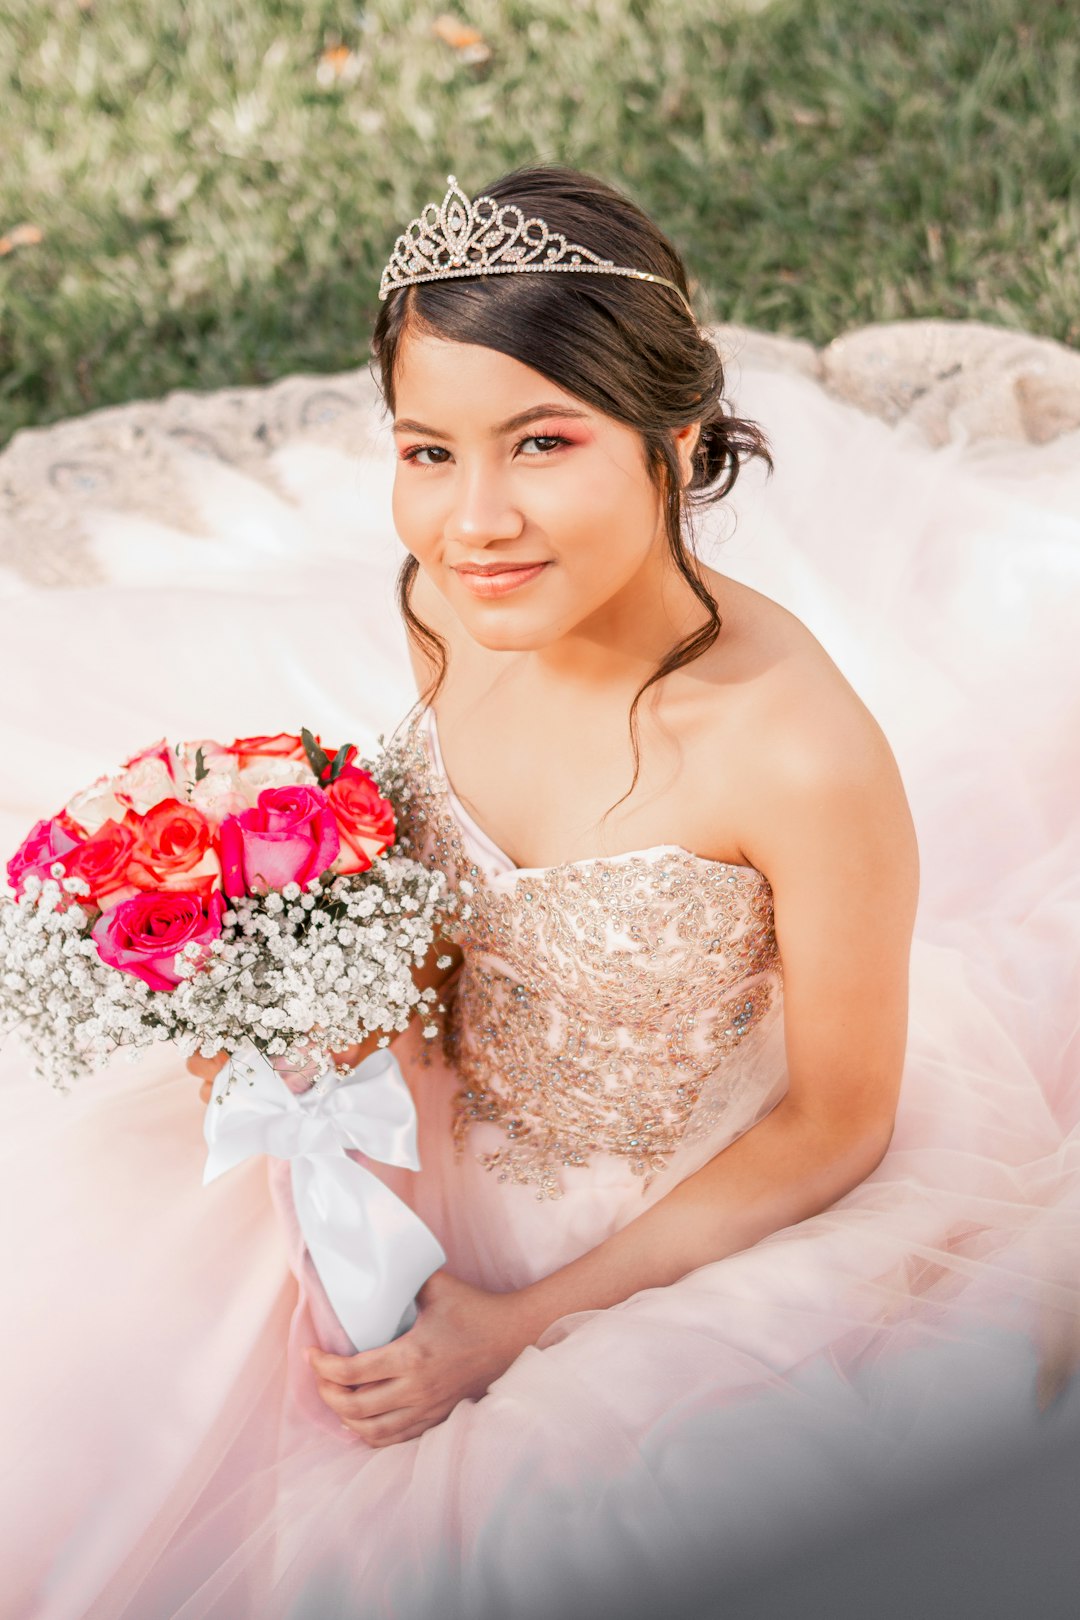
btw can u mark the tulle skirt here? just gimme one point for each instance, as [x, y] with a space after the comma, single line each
[165, 1453]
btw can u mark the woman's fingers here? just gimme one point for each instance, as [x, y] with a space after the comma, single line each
[369, 1401]
[389, 1429]
[204, 1068]
[365, 1367]
[371, 1412]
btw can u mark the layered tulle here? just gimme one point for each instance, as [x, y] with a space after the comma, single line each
[167, 1455]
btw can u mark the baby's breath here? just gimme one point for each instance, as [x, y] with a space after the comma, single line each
[335, 958]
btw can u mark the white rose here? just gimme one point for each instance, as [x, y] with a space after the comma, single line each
[145, 785]
[272, 773]
[218, 794]
[214, 757]
[96, 805]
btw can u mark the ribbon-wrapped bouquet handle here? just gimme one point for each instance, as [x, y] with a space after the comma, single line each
[371, 1251]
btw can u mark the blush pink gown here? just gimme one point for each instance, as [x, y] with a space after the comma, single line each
[616, 1023]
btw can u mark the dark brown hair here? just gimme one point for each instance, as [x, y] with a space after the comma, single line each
[624, 346]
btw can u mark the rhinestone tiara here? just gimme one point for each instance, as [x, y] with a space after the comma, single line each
[485, 238]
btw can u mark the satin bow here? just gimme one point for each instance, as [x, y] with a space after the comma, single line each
[372, 1253]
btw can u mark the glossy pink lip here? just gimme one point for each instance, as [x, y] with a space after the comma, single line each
[508, 577]
[493, 567]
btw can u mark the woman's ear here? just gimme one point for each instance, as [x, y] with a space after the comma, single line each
[686, 443]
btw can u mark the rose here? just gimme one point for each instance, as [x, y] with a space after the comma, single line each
[48, 841]
[147, 778]
[144, 785]
[144, 935]
[103, 863]
[281, 746]
[173, 849]
[289, 837]
[159, 753]
[218, 794]
[202, 750]
[271, 773]
[94, 806]
[365, 820]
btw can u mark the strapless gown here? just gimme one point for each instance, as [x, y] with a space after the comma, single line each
[616, 1022]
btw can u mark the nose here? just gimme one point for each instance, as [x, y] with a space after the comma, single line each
[481, 508]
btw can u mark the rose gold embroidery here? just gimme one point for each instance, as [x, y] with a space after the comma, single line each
[596, 997]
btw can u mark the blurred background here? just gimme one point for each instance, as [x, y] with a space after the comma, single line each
[202, 194]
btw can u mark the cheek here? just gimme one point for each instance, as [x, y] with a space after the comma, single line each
[413, 513]
[602, 525]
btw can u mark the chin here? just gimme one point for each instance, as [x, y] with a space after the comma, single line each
[508, 636]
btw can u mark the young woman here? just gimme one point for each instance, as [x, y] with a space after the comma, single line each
[700, 1195]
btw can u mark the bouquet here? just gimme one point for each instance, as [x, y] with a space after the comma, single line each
[250, 899]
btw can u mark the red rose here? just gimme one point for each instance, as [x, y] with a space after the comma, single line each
[365, 820]
[282, 746]
[174, 849]
[103, 863]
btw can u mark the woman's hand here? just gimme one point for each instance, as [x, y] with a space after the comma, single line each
[206, 1070]
[462, 1340]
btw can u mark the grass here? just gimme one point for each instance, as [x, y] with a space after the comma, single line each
[217, 185]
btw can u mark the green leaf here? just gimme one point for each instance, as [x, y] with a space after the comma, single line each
[201, 768]
[317, 757]
[337, 764]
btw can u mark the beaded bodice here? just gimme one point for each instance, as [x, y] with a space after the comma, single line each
[595, 998]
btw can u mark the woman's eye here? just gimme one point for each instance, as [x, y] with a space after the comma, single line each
[425, 450]
[546, 443]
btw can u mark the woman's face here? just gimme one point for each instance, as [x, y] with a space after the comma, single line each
[498, 465]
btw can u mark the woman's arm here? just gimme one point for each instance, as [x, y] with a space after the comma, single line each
[834, 834]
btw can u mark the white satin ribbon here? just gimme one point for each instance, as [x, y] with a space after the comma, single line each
[372, 1253]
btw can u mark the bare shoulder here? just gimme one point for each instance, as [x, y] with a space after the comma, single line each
[813, 761]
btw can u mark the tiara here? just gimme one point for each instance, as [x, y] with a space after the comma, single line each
[485, 238]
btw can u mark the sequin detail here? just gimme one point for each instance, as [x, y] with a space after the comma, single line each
[595, 998]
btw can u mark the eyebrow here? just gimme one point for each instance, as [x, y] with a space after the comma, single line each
[522, 419]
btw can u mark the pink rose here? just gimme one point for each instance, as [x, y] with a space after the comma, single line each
[289, 837]
[48, 841]
[365, 820]
[144, 935]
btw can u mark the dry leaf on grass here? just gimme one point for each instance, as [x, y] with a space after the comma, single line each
[468, 42]
[20, 236]
[338, 65]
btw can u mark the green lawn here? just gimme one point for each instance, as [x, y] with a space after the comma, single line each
[215, 208]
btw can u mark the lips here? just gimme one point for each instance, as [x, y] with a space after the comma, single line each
[495, 568]
[500, 578]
